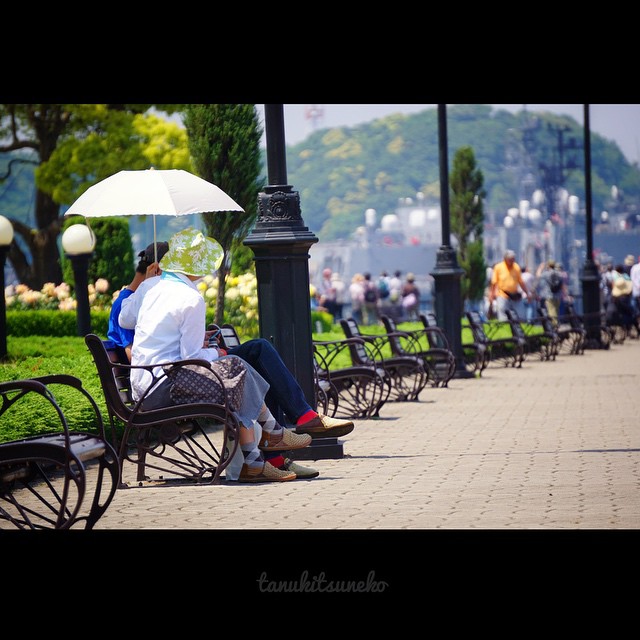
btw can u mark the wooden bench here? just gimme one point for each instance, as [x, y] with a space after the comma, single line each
[406, 376]
[429, 343]
[188, 442]
[56, 480]
[509, 351]
[476, 355]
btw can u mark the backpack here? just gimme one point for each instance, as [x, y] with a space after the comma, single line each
[555, 282]
[383, 289]
[371, 295]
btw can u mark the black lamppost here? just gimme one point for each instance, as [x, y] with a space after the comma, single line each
[590, 276]
[78, 242]
[6, 238]
[280, 243]
[447, 273]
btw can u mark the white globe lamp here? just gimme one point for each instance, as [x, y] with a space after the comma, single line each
[78, 239]
[6, 232]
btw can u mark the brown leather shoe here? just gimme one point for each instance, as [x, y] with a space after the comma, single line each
[266, 473]
[283, 440]
[325, 427]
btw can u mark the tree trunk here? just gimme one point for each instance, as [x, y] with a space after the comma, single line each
[222, 283]
[42, 245]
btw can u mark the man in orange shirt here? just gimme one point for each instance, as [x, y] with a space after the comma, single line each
[506, 283]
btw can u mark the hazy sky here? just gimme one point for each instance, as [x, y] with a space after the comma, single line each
[617, 122]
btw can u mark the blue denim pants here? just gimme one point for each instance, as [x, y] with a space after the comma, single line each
[285, 394]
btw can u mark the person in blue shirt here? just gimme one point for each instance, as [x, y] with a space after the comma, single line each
[147, 267]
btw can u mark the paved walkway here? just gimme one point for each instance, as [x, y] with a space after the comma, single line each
[553, 445]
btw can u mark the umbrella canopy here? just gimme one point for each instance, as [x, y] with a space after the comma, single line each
[170, 192]
[155, 192]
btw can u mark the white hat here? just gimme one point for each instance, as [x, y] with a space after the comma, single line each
[621, 287]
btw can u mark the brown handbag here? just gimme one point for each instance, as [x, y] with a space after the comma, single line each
[194, 383]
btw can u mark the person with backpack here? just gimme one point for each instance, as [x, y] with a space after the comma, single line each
[384, 301]
[550, 289]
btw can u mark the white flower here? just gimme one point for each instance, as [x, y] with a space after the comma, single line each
[102, 285]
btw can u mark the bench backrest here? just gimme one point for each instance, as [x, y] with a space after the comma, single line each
[545, 320]
[114, 379]
[477, 327]
[393, 335]
[574, 320]
[358, 351]
[515, 324]
[428, 319]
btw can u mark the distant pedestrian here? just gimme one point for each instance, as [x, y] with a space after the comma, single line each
[634, 274]
[370, 302]
[395, 296]
[340, 292]
[505, 280]
[549, 288]
[411, 298]
[395, 286]
[529, 303]
[356, 293]
[327, 292]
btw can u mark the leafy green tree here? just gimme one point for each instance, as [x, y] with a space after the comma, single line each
[467, 221]
[75, 147]
[224, 141]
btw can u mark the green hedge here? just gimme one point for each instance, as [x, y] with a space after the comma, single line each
[53, 323]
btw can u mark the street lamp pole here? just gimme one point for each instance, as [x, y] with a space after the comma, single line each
[6, 238]
[447, 273]
[79, 241]
[280, 243]
[590, 277]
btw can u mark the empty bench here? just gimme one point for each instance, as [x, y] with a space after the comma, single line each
[60, 479]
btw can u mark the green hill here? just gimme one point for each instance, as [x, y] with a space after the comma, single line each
[342, 172]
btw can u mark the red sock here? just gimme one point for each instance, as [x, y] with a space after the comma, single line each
[276, 461]
[305, 417]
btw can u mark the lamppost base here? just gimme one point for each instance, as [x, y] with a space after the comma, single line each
[319, 449]
[594, 343]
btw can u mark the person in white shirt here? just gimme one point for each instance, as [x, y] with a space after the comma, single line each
[171, 326]
[339, 288]
[529, 303]
[634, 274]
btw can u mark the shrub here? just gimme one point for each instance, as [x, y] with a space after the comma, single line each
[47, 322]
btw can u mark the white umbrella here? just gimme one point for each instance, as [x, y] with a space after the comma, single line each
[155, 192]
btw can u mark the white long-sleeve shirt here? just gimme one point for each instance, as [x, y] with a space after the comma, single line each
[131, 306]
[170, 326]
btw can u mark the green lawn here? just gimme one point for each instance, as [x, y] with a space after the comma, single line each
[30, 357]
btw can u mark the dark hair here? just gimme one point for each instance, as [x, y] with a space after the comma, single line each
[147, 256]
